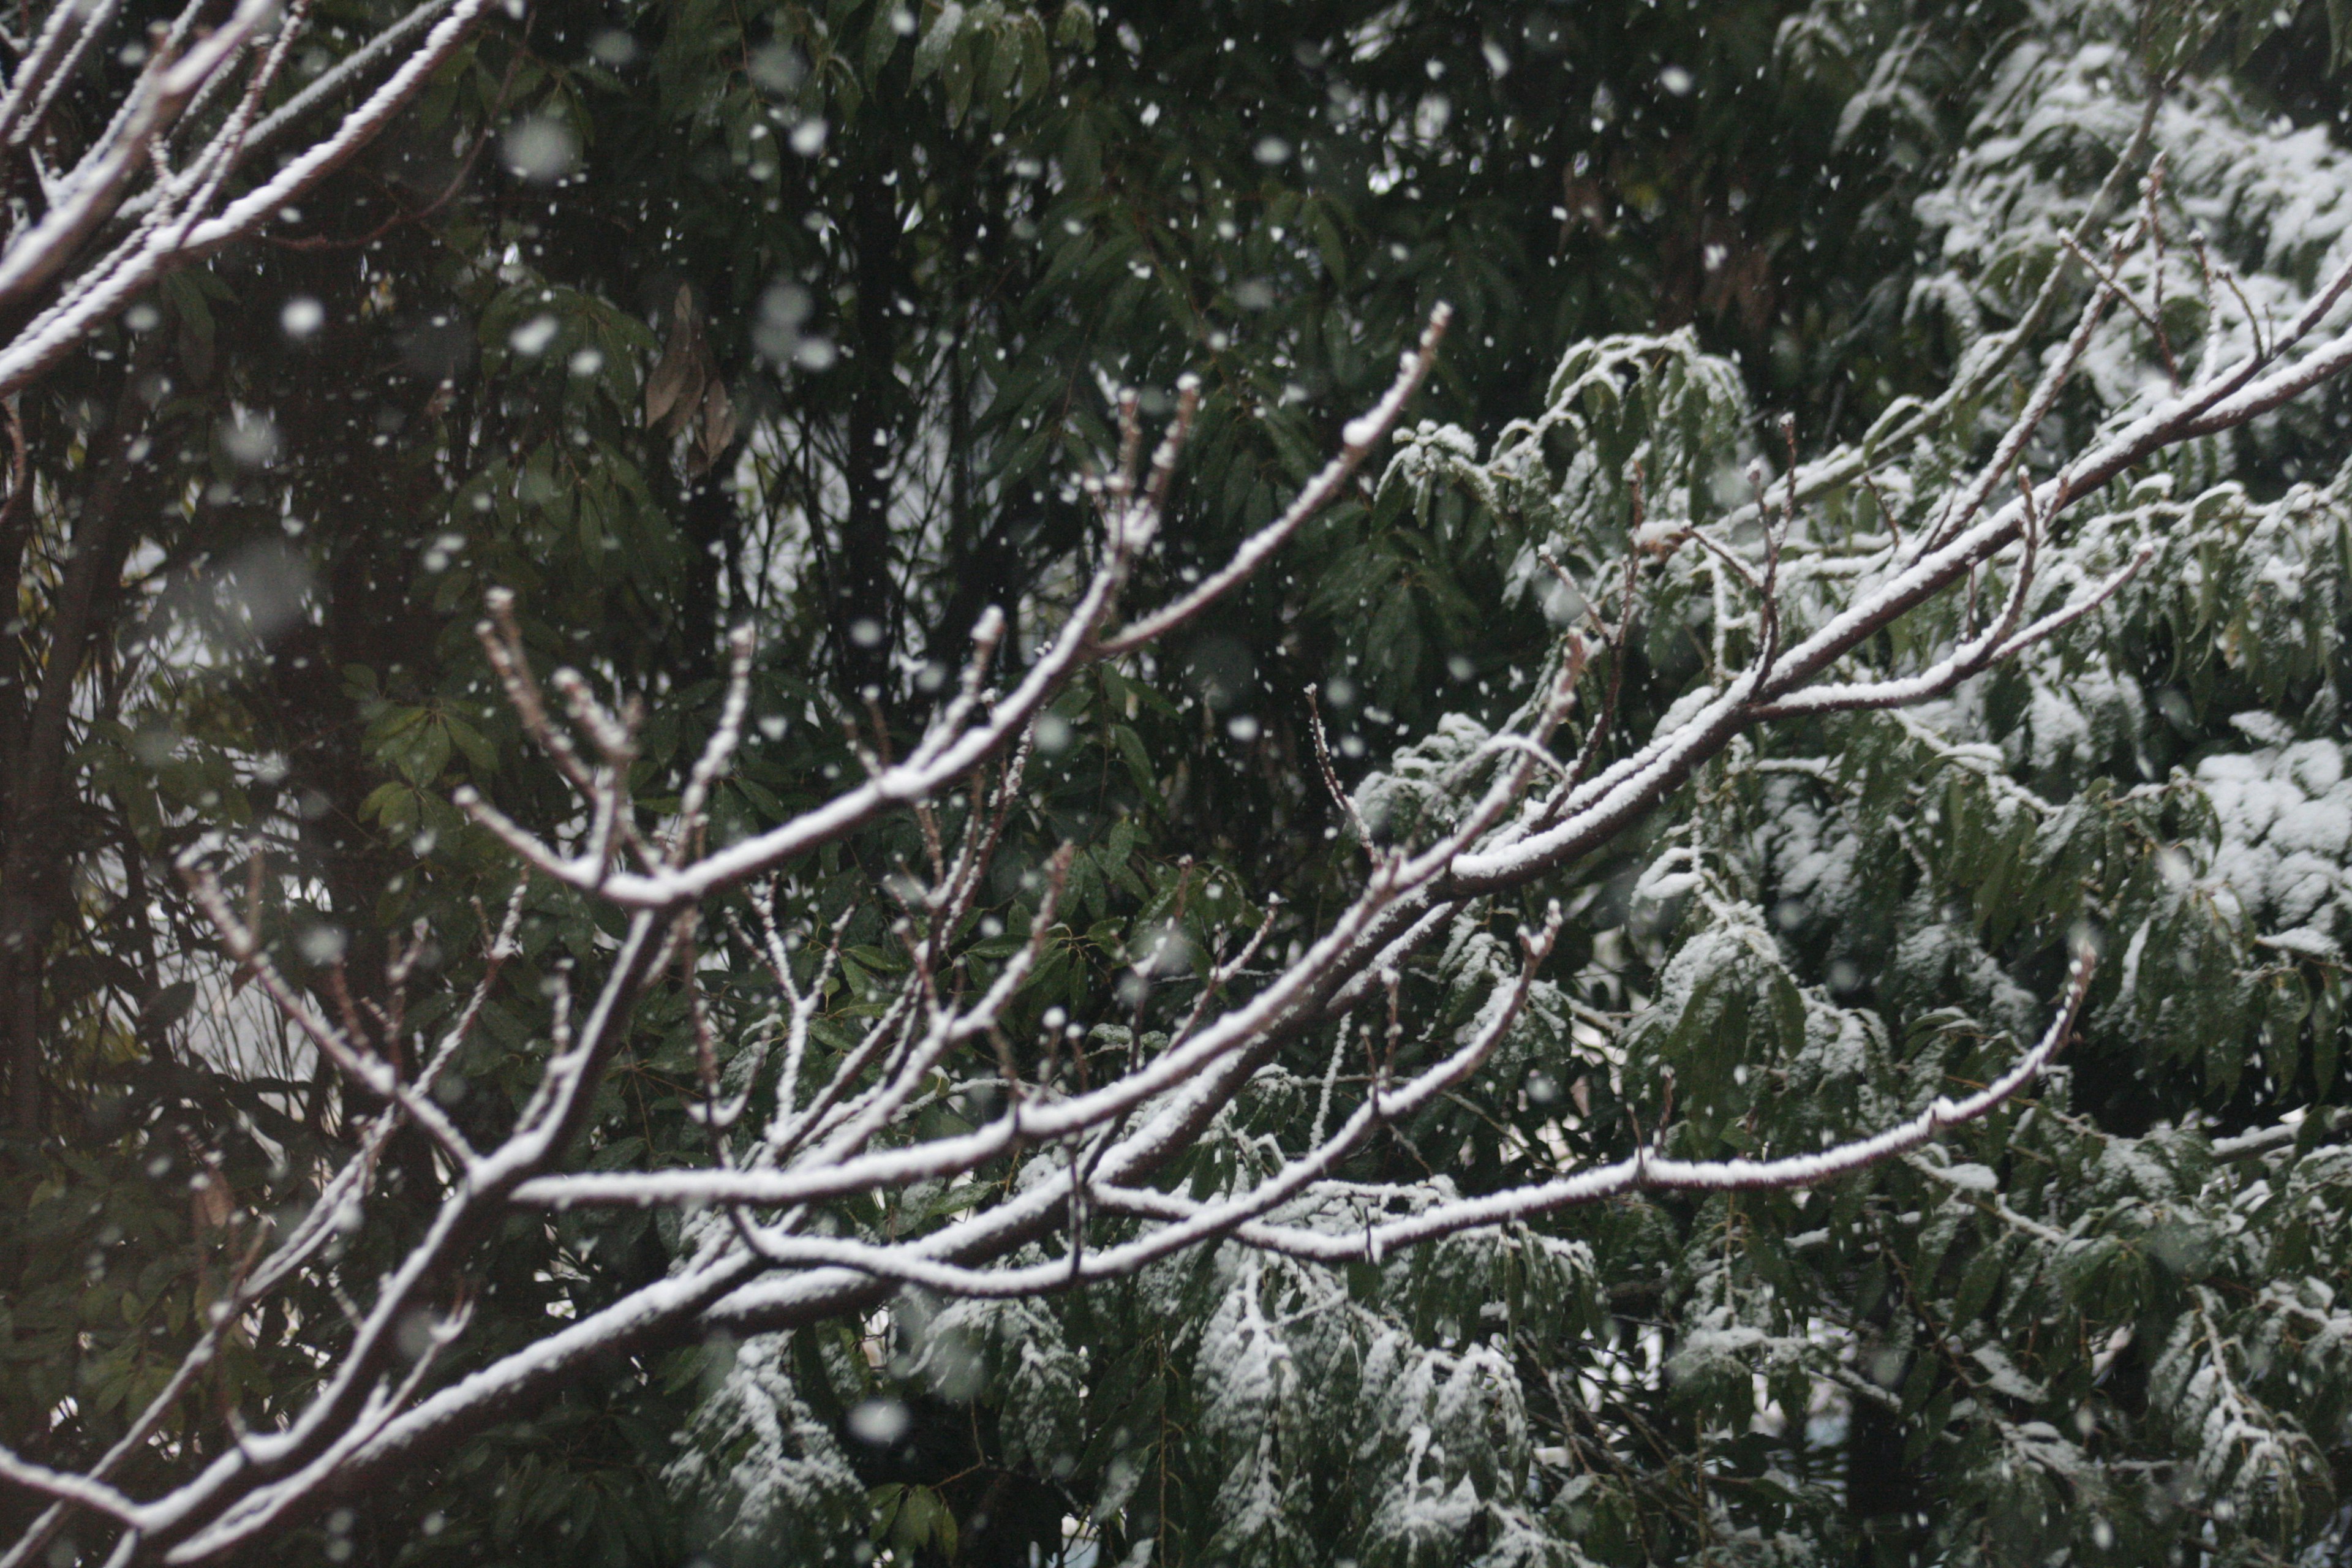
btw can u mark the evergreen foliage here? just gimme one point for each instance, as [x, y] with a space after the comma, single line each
[667, 316]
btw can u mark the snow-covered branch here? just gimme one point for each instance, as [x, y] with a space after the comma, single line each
[164, 183]
[1061, 1141]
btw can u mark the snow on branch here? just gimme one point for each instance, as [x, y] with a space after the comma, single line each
[163, 184]
[1069, 1138]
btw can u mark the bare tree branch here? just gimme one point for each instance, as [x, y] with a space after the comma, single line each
[128, 212]
[753, 1256]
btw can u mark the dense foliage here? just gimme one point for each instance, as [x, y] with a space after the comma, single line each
[669, 315]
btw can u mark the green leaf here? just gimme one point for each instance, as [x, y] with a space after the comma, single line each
[938, 39]
[1138, 758]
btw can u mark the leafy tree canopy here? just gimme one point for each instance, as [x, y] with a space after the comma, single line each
[667, 316]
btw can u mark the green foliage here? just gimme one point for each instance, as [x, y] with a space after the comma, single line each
[647, 399]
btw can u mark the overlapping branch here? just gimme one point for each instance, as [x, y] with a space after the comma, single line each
[1070, 1150]
[164, 183]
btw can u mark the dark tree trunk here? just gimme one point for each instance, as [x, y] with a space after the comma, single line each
[713, 533]
[866, 611]
[36, 738]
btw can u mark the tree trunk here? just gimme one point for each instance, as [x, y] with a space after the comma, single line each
[865, 611]
[41, 851]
